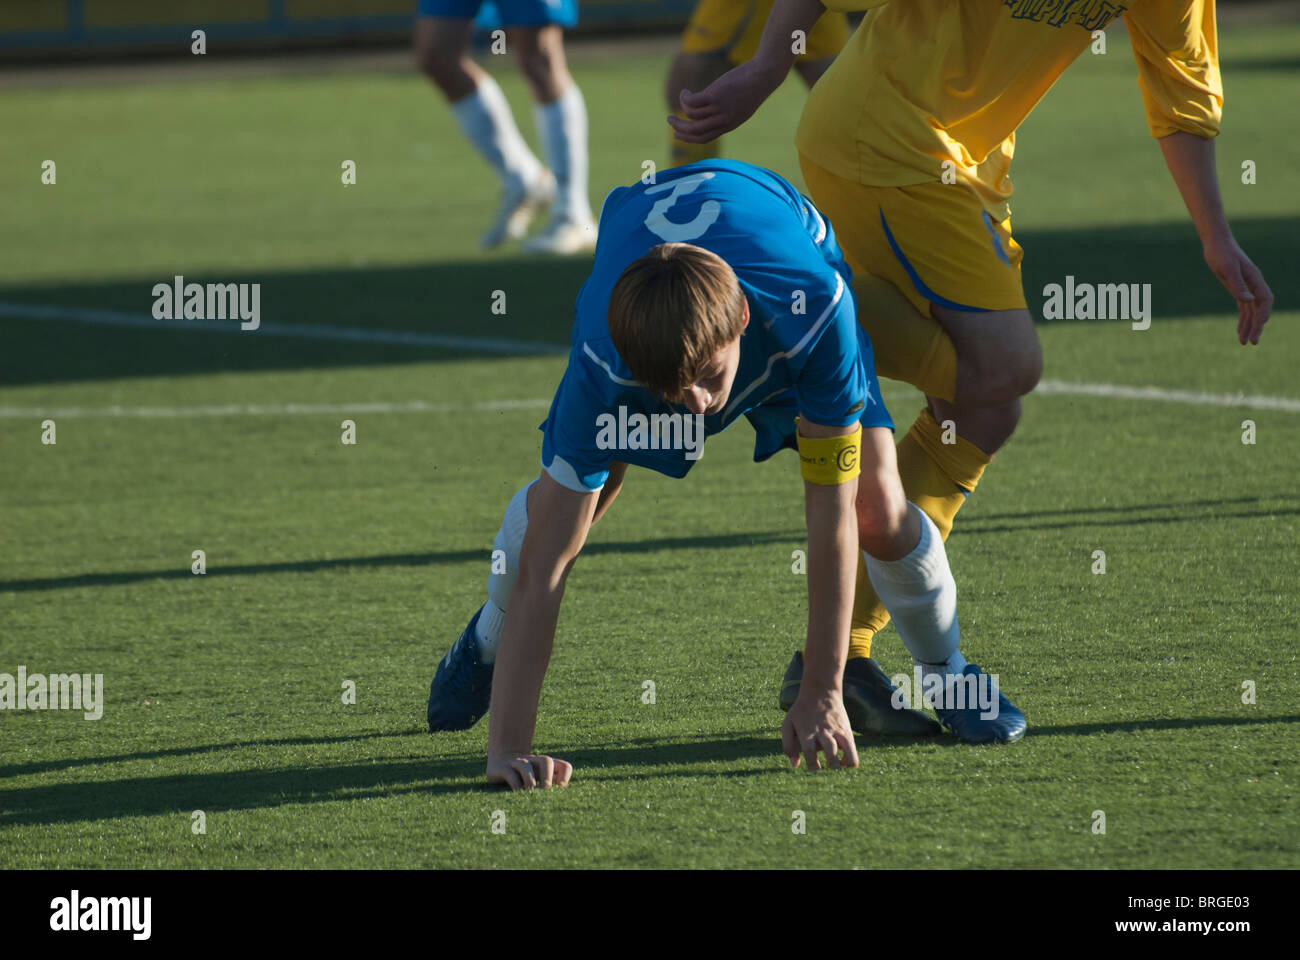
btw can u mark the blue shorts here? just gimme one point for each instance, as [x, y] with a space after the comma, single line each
[504, 13]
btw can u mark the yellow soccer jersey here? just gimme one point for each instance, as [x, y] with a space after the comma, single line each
[924, 81]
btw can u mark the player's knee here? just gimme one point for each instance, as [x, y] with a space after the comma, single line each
[424, 59]
[439, 52]
[540, 74]
[539, 55]
[1029, 368]
[1002, 374]
[436, 64]
[882, 516]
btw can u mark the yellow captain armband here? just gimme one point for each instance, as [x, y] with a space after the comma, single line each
[830, 461]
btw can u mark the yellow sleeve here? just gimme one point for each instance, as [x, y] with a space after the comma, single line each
[1176, 45]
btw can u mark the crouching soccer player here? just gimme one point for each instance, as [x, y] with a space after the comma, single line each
[691, 308]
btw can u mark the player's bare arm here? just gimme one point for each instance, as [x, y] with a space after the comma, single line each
[1191, 163]
[734, 97]
[817, 721]
[560, 520]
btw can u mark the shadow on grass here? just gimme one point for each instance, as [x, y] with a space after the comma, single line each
[43, 766]
[981, 526]
[451, 299]
[1170, 723]
[1126, 508]
[456, 773]
[647, 751]
[235, 790]
[1191, 511]
[461, 772]
[1282, 64]
[713, 542]
[455, 299]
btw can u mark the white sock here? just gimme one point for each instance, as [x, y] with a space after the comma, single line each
[485, 118]
[488, 631]
[509, 540]
[921, 596]
[562, 127]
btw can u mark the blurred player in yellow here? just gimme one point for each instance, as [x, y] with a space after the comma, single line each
[725, 33]
[906, 144]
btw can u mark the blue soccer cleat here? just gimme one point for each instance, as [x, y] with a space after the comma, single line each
[968, 726]
[462, 688]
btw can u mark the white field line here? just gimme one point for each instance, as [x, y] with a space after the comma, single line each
[299, 331]
[272, 409]
[1048, 387]
[1160, 394]
[484, 344]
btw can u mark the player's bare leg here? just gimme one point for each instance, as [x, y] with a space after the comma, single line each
[973, 367]
[539, 54]
[441, 49]
[999, 360]
[561, 116]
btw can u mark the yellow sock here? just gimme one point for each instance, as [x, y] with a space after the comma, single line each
[682, 152]
[937, 477]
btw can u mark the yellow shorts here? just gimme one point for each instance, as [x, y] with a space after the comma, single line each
[732, 28]
[934, 241]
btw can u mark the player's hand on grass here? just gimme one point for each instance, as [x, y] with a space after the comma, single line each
[528, 771]
[817, 722]
[726, 103]
[1246, 284]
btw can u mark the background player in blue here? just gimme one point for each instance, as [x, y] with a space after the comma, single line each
[718, 291]
[535, 38]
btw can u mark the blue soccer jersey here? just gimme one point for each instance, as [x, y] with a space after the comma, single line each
[803, 352]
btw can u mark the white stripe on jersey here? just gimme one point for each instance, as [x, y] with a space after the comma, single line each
[605, 366]
[771, 361]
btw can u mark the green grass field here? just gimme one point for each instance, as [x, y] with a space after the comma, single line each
[330, 563]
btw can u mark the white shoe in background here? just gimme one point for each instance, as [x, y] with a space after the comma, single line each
[563, 236]
[519, 204]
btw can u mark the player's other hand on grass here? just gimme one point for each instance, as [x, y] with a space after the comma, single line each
[726, 103]
[817, 723]
[1246, 284]
[528, 771]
